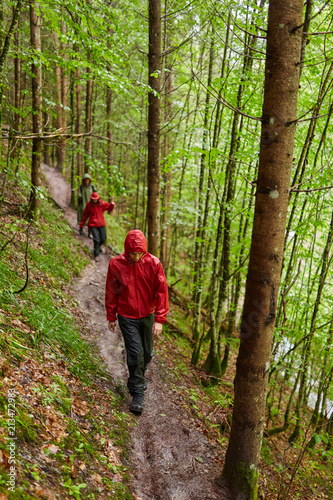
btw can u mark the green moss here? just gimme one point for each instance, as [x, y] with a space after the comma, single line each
[244, 481]
[25, 429]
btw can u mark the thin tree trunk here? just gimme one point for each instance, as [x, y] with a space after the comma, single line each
[72, 127]
[213, 361]
[232, 313]
[63, 76]
[303, 160]
[4, 48]
[167, 171]
[266, 254]
[17, 88]
[109, 151]
[153, 177]
[88, 143]
[202, 214]
[36, 83]
[59, 109]
[214, 279]
[78, 123]
[308, 345]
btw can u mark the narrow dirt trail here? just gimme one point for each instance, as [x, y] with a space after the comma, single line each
[170, 458]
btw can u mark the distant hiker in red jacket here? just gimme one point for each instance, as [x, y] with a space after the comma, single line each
[137, 295]
[95, 209]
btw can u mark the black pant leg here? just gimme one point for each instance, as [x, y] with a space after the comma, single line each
[102, 235]
[130, 328]
[96, 240]
[147, 339]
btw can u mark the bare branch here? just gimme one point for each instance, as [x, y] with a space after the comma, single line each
[311, 18]
[306, 119]
[310, 190]
[57, 134]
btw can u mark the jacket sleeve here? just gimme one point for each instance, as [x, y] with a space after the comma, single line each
[161, 295]
[86, 213]
[111, 295]
[107, 206]
[79, 194]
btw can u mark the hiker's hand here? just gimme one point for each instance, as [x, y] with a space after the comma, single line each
[157, 329]
[112, 326]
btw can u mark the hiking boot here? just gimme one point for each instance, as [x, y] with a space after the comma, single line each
[137, 404]
[96, 259]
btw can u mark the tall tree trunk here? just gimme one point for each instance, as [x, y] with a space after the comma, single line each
[219, 233]
[153, 177]
[88, 142]
[4, 48]
[72, 127]
[78, 123]
[63, 75]
[167, 171]
[59, 154]
[36, 83]
[17, 87]
[233, 312]
[276, 153]
[202, 215]
[213, 361]
[109, 152]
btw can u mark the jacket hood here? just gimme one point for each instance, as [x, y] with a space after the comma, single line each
[86, 176]
[135, 241]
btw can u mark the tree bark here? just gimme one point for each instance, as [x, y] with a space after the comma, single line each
[78, 123]
[59, 108]
[72, 127]
[153, 177]
[36, 83]
[263, 280]
[109, 152]
[63, 77]
[4, 48]
[167, 172]
[202, 217]
[88, 143]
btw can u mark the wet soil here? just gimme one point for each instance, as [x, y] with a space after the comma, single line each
[170, 458]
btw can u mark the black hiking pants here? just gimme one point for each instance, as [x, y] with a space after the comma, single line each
[99, 237]
[138, 339]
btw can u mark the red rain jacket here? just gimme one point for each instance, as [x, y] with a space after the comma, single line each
[136, 289]
[95, 212]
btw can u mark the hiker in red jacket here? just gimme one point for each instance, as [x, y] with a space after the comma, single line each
[137, 295]
[95, 209]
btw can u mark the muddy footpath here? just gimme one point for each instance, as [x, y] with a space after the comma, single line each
[170, 458]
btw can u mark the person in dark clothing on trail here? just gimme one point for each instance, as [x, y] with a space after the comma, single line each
[95, 212]
[137, 295]
[84, 192]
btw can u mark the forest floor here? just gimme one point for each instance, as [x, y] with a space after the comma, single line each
[170, 458]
